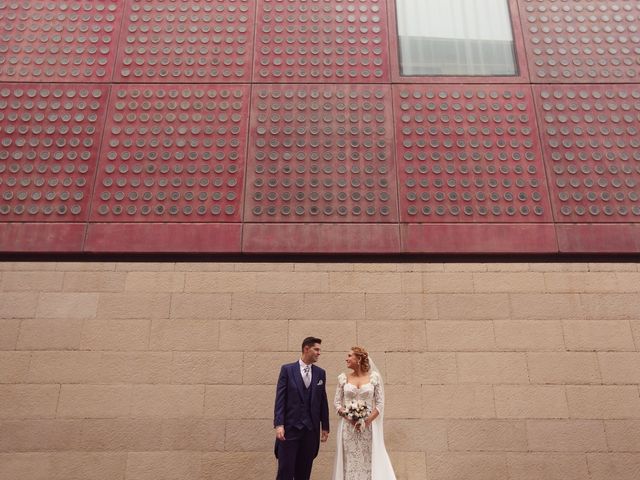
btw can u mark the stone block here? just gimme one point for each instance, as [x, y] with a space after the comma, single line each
[620, 367]
[394, 335]
[164, 466]
[64, 367]
[184, 334]
[585, 282]
[264, 306]
[18, 304]
[338, 306]
[154, 282]
[292, 282]
[411, 435]
[467, 466]
[133, 305]
[487, 435]
[249, 436]
[119, 335]
[145, 266]
[508, 282]
[336, 335]
[263, 368]
[265, 267]
[598, 335]
[28, 401]
[50, 334]
[566, 435]
[623, 435]
[492, 368]
[45, 281]
[87, 465]
[546, 306]
[440, 282]
[167, 401]
[240, 465]
[135, 367]
[256, 335]
[529, 335]
[31, 466]
[402, 401]
[207, 367]
[531, 401]
[430, 368]
[122, 434]
[204, 267]
[200, 305]
[365, 282]
[603, 401]
[197, 433]
[465, 267]
[453, 335]
[458, 401]
[94, 401]
[86, 266]
[9, 330]
[479, 306]
[411, 282]
[558, 267]
[563, 367]
[627, 282]
[39, 435]
[220, 282]
[610, 306]
[614, 466]
[67, 305]
[409, 465]
[397, 307]
[94, 281]
[14, 366]
[548, 466]
[249, 402]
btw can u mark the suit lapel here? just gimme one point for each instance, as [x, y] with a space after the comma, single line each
[314, 379]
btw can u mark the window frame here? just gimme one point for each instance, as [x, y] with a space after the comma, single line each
[519, 50]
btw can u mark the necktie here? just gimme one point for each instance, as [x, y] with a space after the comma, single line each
[306, 377]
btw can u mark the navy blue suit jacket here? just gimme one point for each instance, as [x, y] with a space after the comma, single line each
[290, 398]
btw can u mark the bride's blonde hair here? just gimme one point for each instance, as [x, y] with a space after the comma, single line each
[363, 358]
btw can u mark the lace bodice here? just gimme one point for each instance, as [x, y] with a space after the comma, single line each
[370, 393]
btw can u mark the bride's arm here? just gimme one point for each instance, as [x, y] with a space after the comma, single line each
[338, 400]
[378, 402]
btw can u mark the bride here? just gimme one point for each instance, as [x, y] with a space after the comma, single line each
[360, 453]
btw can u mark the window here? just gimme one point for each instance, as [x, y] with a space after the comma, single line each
[455, 38]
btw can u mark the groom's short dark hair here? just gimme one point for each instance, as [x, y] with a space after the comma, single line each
[310, 342]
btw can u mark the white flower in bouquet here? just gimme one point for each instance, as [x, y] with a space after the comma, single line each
[357, 411]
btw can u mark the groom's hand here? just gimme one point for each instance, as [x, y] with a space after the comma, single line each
[280, 433]
[325, 436]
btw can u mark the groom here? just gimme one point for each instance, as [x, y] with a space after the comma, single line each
[301, 407]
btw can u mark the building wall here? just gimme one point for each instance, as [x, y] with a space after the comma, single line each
[166, 370]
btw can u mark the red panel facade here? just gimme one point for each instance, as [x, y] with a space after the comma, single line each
[186, 41]
[285, 126]
[58, 41]
[173, 153]
[469, 154]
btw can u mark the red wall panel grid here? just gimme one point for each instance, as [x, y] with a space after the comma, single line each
[284, 126]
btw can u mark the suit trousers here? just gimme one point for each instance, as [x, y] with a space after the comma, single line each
[296, 453]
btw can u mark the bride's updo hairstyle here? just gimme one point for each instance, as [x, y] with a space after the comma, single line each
[363, 358]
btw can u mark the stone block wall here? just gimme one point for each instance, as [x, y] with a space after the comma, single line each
[159, 371]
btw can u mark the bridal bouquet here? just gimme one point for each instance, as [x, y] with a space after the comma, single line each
[357, 411]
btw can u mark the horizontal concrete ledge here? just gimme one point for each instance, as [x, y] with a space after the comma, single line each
[42, 237]
[163, 238]
[479, 238]
[321, 238]
[601, 238]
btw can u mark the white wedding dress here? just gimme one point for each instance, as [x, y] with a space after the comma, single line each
[361, 455]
